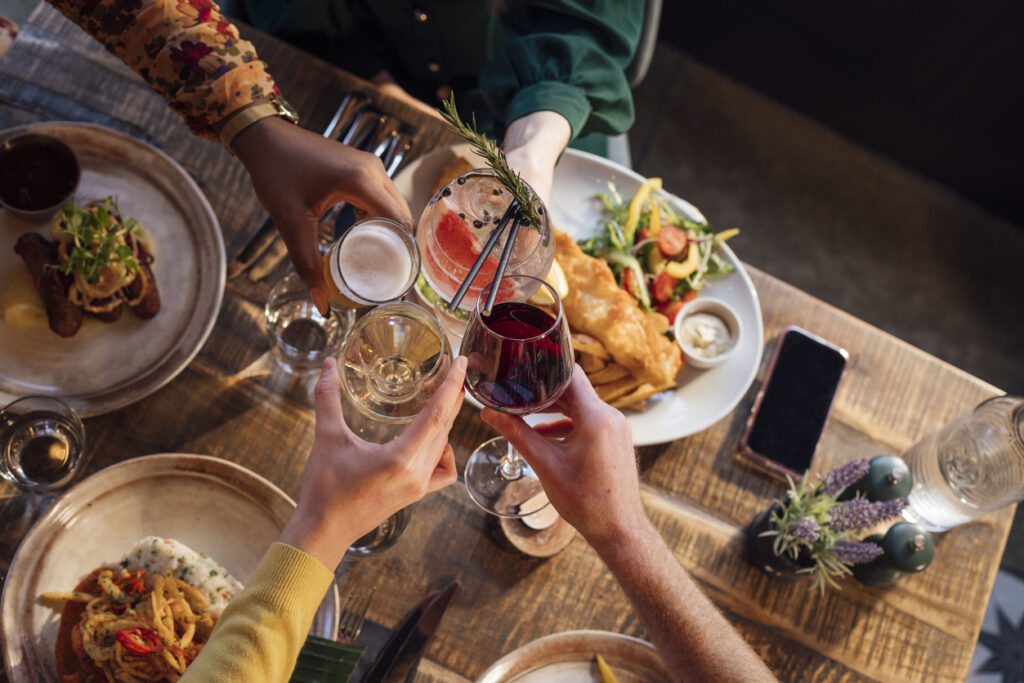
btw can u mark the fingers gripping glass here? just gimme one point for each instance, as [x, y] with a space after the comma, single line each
[392, 362]
[520, 361]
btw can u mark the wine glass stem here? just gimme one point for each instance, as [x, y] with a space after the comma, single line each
[511, 465]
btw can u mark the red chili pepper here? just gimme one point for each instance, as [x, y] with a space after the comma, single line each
[140, 641]
[178, 651]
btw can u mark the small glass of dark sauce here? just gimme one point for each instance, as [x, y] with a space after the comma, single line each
[38, 173]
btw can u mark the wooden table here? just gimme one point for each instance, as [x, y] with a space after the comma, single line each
[923, 628]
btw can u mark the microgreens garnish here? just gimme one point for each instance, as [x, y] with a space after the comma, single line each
[495, 157]
[97, 239]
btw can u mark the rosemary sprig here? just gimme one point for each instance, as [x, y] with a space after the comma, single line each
[97, 239]
[495, 157]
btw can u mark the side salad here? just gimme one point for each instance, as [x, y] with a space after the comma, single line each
[659, 257]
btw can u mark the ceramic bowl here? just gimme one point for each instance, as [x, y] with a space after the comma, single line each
[38, 173]
[714, 307]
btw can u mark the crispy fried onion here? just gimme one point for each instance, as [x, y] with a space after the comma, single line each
[111, 289]
[141, 628]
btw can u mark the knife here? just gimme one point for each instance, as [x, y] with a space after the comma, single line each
[404, 648]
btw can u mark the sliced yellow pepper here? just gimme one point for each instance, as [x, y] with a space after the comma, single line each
[726, 234]
[655, 224]
[655, 261]
[605, 671]
[637, 205]
[681, 269]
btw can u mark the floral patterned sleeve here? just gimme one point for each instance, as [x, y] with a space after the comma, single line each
[186, 50]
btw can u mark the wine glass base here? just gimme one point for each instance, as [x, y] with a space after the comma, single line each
[496, 493]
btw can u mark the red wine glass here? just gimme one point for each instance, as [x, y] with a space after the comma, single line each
[520, 361]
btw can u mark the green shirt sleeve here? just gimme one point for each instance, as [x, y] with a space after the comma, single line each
[569, 57]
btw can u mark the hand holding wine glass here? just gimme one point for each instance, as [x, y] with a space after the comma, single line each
[350, 486]
[590, 475]
[520, 360]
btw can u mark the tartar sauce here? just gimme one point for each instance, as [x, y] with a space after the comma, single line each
[705, 335]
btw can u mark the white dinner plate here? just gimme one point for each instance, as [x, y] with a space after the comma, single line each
[570, 657]
[701, 397]
[210, 504]
[107, 366]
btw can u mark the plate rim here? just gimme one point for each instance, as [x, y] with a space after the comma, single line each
[94, 486]
[83, 401]
[498, 671]
[642, 438]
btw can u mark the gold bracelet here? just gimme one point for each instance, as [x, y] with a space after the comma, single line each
[250, 115]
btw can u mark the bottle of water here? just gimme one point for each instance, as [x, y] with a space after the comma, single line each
[973, 465]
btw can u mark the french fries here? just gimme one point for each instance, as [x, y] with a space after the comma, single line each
[613, 382]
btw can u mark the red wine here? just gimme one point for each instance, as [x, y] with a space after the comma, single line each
[520, 360]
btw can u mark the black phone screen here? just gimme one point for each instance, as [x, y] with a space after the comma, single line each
[796, 402]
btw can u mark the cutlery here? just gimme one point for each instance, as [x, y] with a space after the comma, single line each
[404, 648]
[392, 144]
[353, 614]
[341, 123]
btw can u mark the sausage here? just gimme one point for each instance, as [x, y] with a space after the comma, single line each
[111, 316]
[150, 303]
[38, 252]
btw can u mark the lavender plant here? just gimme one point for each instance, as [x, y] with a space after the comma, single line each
[812, 523]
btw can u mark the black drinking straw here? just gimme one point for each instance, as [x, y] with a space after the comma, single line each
[505, 254]
[513, 208]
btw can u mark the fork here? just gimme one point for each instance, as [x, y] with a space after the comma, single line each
[353, 614]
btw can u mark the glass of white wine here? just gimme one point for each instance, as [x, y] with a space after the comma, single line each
[391, 363]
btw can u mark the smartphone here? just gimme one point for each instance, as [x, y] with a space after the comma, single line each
[794, 404]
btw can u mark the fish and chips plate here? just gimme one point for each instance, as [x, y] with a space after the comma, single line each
[623, 348]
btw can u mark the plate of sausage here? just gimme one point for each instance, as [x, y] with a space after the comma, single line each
[103, 338]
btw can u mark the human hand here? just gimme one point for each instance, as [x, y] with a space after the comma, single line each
[387, 84]
[532, 146]
[350, 486]
[298, 176]
[590, 476]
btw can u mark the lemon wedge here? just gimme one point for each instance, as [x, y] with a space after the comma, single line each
[606, 671]
[555, 278]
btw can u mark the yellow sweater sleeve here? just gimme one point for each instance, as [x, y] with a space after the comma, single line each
[260, 633]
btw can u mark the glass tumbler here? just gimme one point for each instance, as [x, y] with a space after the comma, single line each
[973, 465]
[42, 441]
[300, 337]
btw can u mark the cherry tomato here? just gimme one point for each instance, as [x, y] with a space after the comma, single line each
[670, 309]
[664, 285]
[630, 284]
[671, 240]
[644, 234]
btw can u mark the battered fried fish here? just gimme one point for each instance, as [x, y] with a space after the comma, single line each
[597, 306]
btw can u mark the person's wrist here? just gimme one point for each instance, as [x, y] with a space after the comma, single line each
[251, 144]
[622, 535]
[317, 534]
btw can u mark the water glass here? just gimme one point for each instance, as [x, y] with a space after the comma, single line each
[973, 465]
[300, 337]
[42, 442]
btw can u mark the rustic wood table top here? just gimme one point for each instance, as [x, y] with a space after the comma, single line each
[922, 628]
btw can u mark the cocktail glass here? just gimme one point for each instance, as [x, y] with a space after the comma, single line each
[455, 226]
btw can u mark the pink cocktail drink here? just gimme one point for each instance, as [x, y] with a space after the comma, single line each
[454, 229]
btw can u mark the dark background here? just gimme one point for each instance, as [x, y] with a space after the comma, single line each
[937, 86]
